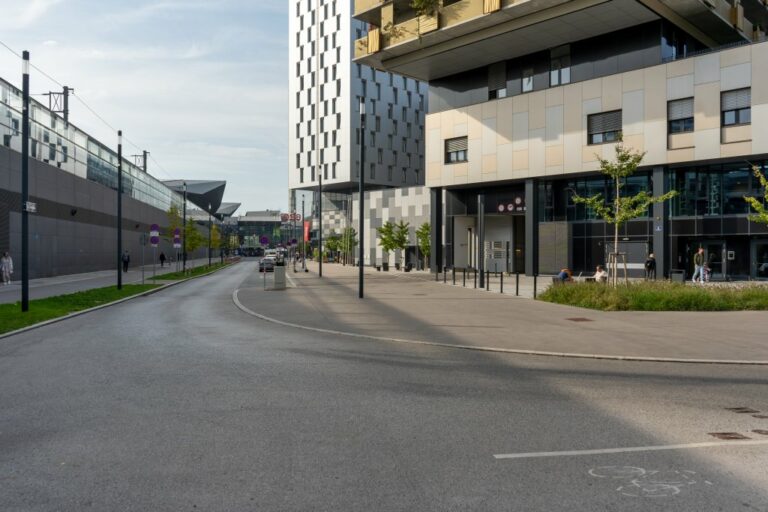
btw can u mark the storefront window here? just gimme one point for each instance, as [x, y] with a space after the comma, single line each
[735, 186]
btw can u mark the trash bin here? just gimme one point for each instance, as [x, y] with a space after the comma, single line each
[677, 276]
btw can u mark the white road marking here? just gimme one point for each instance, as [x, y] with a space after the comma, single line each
[572, 453]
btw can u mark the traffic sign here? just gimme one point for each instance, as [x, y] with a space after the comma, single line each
[177, 238]
[264, 240]
[154, 235]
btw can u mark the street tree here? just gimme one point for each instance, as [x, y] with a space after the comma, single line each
[194, 240]
[215, 237]
[387, 239]
[760, 207]
[400, 238]
[424, 241]
[623, 209]
[332, 243]
[348, 242]
[174, 221]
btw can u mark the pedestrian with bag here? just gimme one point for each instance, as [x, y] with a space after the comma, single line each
[162, 259]
[6, 268]
[126, 260]
[698, 264]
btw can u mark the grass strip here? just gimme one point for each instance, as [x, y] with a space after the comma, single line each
[40, 310]
[659, 296]
[191, 272]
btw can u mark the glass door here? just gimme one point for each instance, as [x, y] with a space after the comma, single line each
[760, 259]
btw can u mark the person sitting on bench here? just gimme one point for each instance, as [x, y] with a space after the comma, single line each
[565, 275]
[601, 276]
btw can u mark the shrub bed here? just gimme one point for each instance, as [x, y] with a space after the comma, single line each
[659, 296]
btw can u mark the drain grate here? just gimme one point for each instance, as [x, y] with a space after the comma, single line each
[728, 436]
[579, 319]
[760, 416]
[741, 410]
[761, 432]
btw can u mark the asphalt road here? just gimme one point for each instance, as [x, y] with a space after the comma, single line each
[180, 401]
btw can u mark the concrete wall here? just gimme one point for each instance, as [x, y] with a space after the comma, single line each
[74, 229]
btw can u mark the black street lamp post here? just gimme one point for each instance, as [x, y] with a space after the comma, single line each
[119, 209]
[209, 234]
[361, 187]
[25, 184]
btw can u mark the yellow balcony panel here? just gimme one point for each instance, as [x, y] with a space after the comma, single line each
[374, 40]
[361, 47]
[490, 6]
[460, 12]
[427, 24]
[396, 34]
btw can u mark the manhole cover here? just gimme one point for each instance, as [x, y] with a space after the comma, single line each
[728, 436]
[761, 432]
[579, 319]
[741, 410]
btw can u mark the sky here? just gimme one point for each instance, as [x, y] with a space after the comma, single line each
[200, 84]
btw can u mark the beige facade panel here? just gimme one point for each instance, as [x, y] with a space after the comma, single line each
[544, 133]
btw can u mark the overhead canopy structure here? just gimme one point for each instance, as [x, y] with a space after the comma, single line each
[227, 210]
[204, 194]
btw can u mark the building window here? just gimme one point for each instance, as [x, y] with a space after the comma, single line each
[389, 173]
[373, 171]
[735, 106]
[456, 150]
[604, 127]
[380, 158]
[528, 80]
[680, 116]
[560, 66]
[497, 93]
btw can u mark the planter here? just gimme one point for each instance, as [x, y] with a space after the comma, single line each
[378, 268]
[385, 267]
[397, 266]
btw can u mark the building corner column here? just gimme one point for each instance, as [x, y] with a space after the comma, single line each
[531, 227]
[436, 229]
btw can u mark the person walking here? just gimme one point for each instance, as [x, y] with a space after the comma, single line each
[650, 268]
[6, 268]
[126, 260]
[698, 263]
[162, 259]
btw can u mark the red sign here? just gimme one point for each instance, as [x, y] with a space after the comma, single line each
[285, 217]
[307, 228]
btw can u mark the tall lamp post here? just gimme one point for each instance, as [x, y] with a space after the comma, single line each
[361, 186]
[184, 232]
[119, 209]
[303, 238]
[209, 234]
[25, 183]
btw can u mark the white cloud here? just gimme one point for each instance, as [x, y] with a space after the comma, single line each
[20, 15]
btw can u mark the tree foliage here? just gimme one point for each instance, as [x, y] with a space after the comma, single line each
[174, 221]
[348, 240]
[424, 240]
[194, 240]
[761, 211]
[332, 242]
[426, 7]
[215, 237]
[387, 238]
[623, 209]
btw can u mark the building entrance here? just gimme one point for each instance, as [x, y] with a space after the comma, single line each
[716, 257]
[504, 249]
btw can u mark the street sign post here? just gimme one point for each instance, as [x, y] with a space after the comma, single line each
[177, 245]
[154, 239]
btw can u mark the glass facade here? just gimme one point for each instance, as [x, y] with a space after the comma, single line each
[714, 191]
[73, 151]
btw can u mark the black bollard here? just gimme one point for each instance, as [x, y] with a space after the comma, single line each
[445, 274]
[501, 283]
[487, 280]
[475, 275]
[517, 284]
[534, 285]
[464, 277]
[453, 275]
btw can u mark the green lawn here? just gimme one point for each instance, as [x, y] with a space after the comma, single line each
[40, 310]
[197, 271]
[659, 296]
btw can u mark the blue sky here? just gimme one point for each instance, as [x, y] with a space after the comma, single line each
[201, 84]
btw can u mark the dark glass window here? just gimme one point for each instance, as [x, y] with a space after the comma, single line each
[736, 107]
[604, 127]
[456, 150]
[680, 115]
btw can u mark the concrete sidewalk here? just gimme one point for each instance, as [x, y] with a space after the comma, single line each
[403, 306]
[60, 285]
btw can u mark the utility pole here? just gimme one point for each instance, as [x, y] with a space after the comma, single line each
[119, 209]
[25, 184]
[361, 188]
[184, 232]
[303, 239]
[145, 154]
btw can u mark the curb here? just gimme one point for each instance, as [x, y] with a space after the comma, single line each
[108, 304]
[244, 309]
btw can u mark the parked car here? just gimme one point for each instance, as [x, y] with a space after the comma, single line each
[267, 264]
